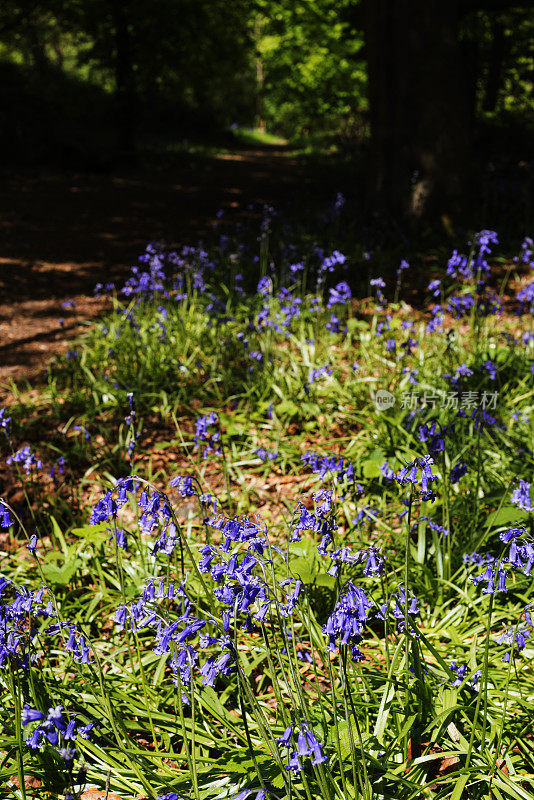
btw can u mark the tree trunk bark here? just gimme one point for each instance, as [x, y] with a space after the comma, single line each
[418, 106]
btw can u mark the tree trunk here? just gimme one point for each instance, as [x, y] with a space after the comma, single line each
[418, 109]
[124, 77]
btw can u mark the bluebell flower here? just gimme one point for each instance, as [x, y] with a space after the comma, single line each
[5, 422]
[339, 294]
[461, 674]
[433, 436]
[317, 373]
[458, 471]
[5, 518]
[434, 288]
[334, 326]
[264, 454]
[515, 641]
[309, 745]
[285, 739]
[207, 431]
[521, 496]
[460, 305]
[34, 741]
[402, 266]
[374, 561]
[526, 299]
[491, 368]
[345, 624]
[511, 533]
[184, 484]
[334, 466]
[387, 472]
[489, 576]
[435, 527]
[399, 601]
[330, 262]
[30, 715]
[339, 202]
[410, 475]
[25, 457]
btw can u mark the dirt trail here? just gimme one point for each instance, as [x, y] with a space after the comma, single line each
[61, 233]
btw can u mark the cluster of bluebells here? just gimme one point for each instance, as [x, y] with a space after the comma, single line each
[378, 284]
[333, 466]
[280, 313]
[399, 608]
[525, 256]
[150, 281]
[345, 625]
[307, 745]
[130, 422]
[515, 639]
[526, 299]
[521, 496]
[315, 374]
[57, 729]
[475, 265]
[458, 471]
[329, 265]
[519, 557]
[322, 522]
[28, 460]
[433, 435]
[175, 638]
[410, 475]
[246, 794]
[265, 455]
[208, 434]
[5, 422]
[156, 514]
[240, 582]
[340, 294]
[237, 570]
[75, 643]
[461, 672]
[58, 469]
[433, 526]
[20, 614]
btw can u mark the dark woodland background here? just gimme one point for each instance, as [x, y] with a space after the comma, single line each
[426, 105]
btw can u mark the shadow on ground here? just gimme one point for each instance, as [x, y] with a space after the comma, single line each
[63, 232]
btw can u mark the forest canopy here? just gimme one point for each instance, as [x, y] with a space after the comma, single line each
[111, 73]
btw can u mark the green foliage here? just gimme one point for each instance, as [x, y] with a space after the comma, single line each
[314, 70]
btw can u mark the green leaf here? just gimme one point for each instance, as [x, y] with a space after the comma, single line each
[61, 575]
[459, 787]
[371, 468]
[92, 534]
[287, 408]
[505, 516]
[304, 569]
[357, 324]
[325, 580]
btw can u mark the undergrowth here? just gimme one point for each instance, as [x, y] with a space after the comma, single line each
[278, 541]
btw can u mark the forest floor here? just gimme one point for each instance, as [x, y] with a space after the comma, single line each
[63, 232]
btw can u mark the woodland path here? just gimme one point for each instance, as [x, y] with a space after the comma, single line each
[63, 232]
